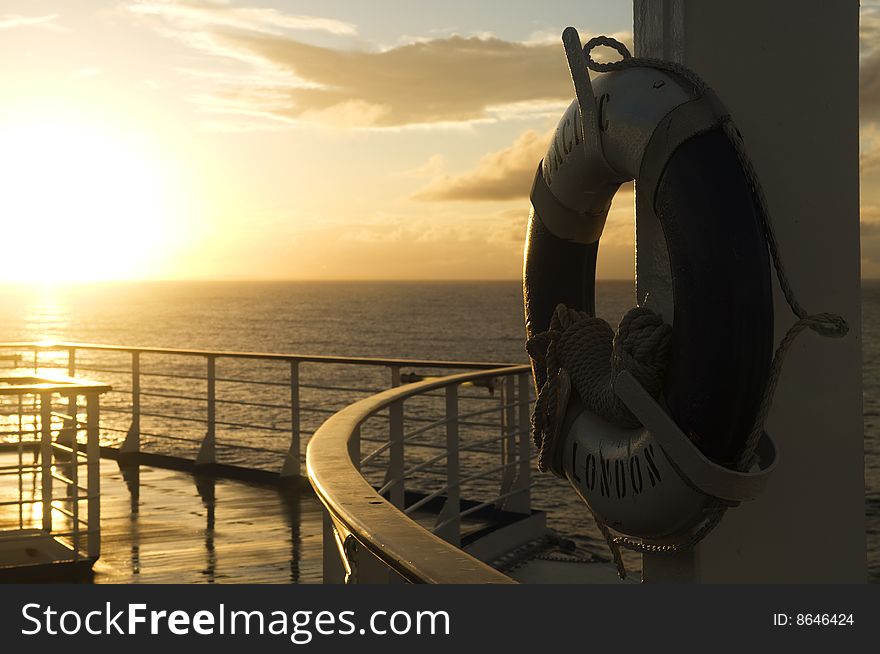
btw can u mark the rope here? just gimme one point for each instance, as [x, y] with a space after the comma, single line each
[590, 352]
[593, 355]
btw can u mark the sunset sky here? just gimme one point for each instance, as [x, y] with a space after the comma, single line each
[300, 139]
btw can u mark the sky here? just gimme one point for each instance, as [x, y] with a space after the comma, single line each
[300, 139]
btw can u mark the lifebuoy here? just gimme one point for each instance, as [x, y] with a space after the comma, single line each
[654, 127]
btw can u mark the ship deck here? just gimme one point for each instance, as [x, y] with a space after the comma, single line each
[166, 526]
[160, 525]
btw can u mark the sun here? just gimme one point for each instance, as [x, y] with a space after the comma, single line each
[79, 203]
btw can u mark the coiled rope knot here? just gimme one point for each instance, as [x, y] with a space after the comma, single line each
[591, 355]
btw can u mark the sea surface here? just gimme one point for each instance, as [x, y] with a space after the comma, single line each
[474, 321]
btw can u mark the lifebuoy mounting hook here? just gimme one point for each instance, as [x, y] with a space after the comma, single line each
[705, 475]
[583, 91]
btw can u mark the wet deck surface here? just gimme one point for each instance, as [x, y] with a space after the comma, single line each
[164, 526]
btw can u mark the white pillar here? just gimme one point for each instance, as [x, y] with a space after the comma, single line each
[788, 72]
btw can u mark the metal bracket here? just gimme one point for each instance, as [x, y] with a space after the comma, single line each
[583, 90]
[705, 475]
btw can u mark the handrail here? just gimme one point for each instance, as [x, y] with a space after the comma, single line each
[232, 396]
[270, 356]
[400, 543]
[22, 385]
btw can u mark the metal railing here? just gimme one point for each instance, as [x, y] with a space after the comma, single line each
[394, 472]
[446, 453]
[50, 428]
[245, 409]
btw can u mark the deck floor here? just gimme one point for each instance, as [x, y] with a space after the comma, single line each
[164, 526]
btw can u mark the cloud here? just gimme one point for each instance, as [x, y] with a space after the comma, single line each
[506, 176]
[348, 113]
[503, 175]
[448, 80]
[204, 14]
[498, 176]
[508, 228]
[439, 81]
[433, 167]
[12, 21]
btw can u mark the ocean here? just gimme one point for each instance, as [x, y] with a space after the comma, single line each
[474, 321]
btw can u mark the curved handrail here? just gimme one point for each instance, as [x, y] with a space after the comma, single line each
[402, 544]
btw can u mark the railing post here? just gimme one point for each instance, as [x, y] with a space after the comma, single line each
[395, 376]
[20, 463]
[93, 463]
[332, 565]
[508, 441]
[450, 516]
[522, 502]
[72, 424]
[208, 450]
[132, 443]
[73, 492]
[46, 457]
[69, 423]
[292, 466]
[394, 474]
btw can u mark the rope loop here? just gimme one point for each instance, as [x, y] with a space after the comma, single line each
[628, 61]
[608, 42]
